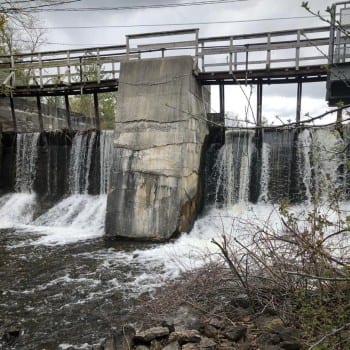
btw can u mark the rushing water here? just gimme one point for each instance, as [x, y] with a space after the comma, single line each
[69, 289]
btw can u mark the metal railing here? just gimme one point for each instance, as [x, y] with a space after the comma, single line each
[289, 49]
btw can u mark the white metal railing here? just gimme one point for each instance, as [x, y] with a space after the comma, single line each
[259, 51]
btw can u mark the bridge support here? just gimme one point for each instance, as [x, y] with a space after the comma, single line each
[40, 114]
[222, 100]
[13, 113]
[159, 135]
[259, 103]
[299, 96]
[97, 113]
[66, 100]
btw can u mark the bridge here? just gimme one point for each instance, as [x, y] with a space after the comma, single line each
[288, 56]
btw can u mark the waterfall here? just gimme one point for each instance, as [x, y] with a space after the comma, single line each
[265, 173]
[286, 164]
[237, 156]
[26, 156]
[106, 148]
[304, 165]
[80, 162]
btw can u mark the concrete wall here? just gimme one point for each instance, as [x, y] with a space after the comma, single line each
[159, 135]
[27, 116]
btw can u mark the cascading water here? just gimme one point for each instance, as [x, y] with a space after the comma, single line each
[26, 156]
[106, 148]
[291, 165]
[57, 266]
[80, 162]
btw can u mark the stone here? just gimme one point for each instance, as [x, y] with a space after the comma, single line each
[215, 322]
[168, 324]
[152, 333]
[291, 345]
[155, 345]
[142, 347]
[207, 344]
[172, 346]
[185, 336]
[190, 346]
[237, 333]
[210, 331]
[158, 144]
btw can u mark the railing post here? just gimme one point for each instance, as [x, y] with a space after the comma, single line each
[127, 47]
[297, 51]
[68, 66]
[331, 35]
[98, 67]
[40, 115]
[268, 53]
[246, 64]
[230, 54]
[202, 55]
[113, 70]
[196, 50]
[40, 71]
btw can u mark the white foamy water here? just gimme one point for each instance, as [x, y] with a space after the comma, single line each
[75, 218]
[16, 209]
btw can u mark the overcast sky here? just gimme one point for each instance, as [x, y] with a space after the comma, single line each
[248, 16]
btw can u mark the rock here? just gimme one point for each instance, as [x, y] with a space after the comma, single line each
[290, 345]
[152, 333]
[215, 322]
[172, 346]
[142, 347]
[207, 344]
[185, 336]
[190, 346]
[237, 333]
[121, 339]
[155, 345]
[210, 331]
[168, 324]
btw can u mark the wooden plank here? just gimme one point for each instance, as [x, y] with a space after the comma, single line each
[72, 51]
[165, 33]
[281, 45]
[264, 34]
[167, 45]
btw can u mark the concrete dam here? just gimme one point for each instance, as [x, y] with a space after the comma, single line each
[164, 162]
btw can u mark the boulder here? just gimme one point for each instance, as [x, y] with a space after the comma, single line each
[185, 336]
[152, 333]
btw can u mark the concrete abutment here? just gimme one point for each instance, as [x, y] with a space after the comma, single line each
[159, 138]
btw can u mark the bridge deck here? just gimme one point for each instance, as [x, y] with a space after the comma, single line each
[270, 57]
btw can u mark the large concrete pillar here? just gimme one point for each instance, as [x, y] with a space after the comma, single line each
[159, 134]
